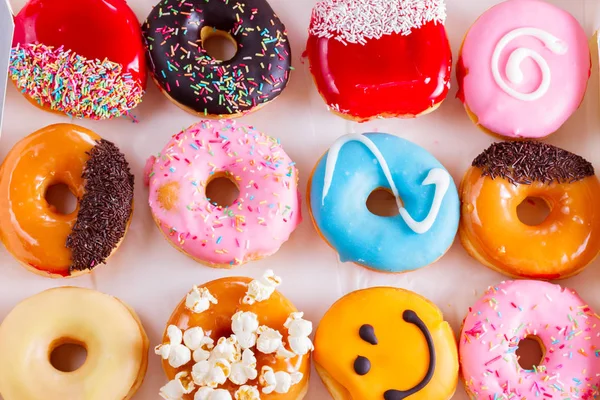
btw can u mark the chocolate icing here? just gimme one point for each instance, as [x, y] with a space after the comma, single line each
[412, 318]
[255, 75]
[367, 333]
[362, 365]
[527, 162]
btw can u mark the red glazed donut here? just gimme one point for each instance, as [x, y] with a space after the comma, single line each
[380, 58]
[83, 58]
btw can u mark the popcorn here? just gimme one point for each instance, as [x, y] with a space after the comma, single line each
[199, 300]
[207, 393]
[211, 373]
[298, 331]
[199, 343]
[177, 354]
[278, 382]
[228, 349]
[247, 393]
[269, 340]
[175, 389]
[244, 370]
[244, 325]
[261, 290]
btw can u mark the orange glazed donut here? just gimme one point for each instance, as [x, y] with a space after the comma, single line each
[96, 172]
[236, 338]
[505, 175]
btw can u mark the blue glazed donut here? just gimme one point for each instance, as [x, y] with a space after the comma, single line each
[355, 166]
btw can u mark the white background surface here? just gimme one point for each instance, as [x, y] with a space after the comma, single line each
[151, 276]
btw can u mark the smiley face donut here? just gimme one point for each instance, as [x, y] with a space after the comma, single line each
[84, 60]
[236, 338]
[110, 332]
[258, 221]
[175, 33]
[386, 344]
[566, 329]
[523, 69]
[507, 174]
[380, 58]
[41, 238]
[428, 205]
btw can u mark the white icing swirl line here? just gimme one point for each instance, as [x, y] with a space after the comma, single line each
[437, 176]
[513, 66]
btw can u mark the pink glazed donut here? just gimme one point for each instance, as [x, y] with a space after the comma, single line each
[567, 329]
[523, 69]
[258, 222]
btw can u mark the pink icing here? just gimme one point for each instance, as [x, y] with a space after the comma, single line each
[259, 221]
[513, 310]
[497, 110]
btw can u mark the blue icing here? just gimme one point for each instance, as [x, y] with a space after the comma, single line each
[383, 243]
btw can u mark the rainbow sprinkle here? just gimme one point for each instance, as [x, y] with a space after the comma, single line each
[72, 84]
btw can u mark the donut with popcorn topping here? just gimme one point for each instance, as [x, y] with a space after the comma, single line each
[255, 224]
[565, 327]
[249, 344]
[380, 58]
[85, 61]
[176, 33]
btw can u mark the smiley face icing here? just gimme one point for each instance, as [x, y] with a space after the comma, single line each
[386, 343]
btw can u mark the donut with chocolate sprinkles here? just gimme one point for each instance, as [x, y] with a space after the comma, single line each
[175, 33]
[529, 210]
[45, 239]
[525, 162]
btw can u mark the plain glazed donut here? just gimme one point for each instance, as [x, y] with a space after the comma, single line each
[504, 176]
[567, 330]
[258, 222]
[83, 59]
[110, 331]
[386, 343]
[175, 32]
[380, 58]
[236, 338]
[34, 232]
[523, 69]
[357, 165]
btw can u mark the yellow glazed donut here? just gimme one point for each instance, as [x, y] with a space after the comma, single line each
[42, 239]
[112, 334]
[386, 343]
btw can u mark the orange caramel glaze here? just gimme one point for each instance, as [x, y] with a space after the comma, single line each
[216, 322]
[561, 246]
[31, 229]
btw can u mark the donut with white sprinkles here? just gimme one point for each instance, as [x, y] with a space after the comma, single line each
[175, 33]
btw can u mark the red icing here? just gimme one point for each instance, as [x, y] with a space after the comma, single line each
[102, 29]
[394, 76]
[461, 72]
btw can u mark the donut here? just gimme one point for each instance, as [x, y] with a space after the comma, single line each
[523, 69]
[83, 59]
[109, 330]
[505, 175]
[386, 343]
[41, 238]
[427, 199]
[380, 58]
[255, 225]
[174, 34]
[565, 327]
[236, 338]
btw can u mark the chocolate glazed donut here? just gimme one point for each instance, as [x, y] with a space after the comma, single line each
[174, 33]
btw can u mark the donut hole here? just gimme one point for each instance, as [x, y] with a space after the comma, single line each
[533, 211]
[60, 199]
[530, 352]
[218, 44]
[221, 190]
[382, 202]
[68, 356]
